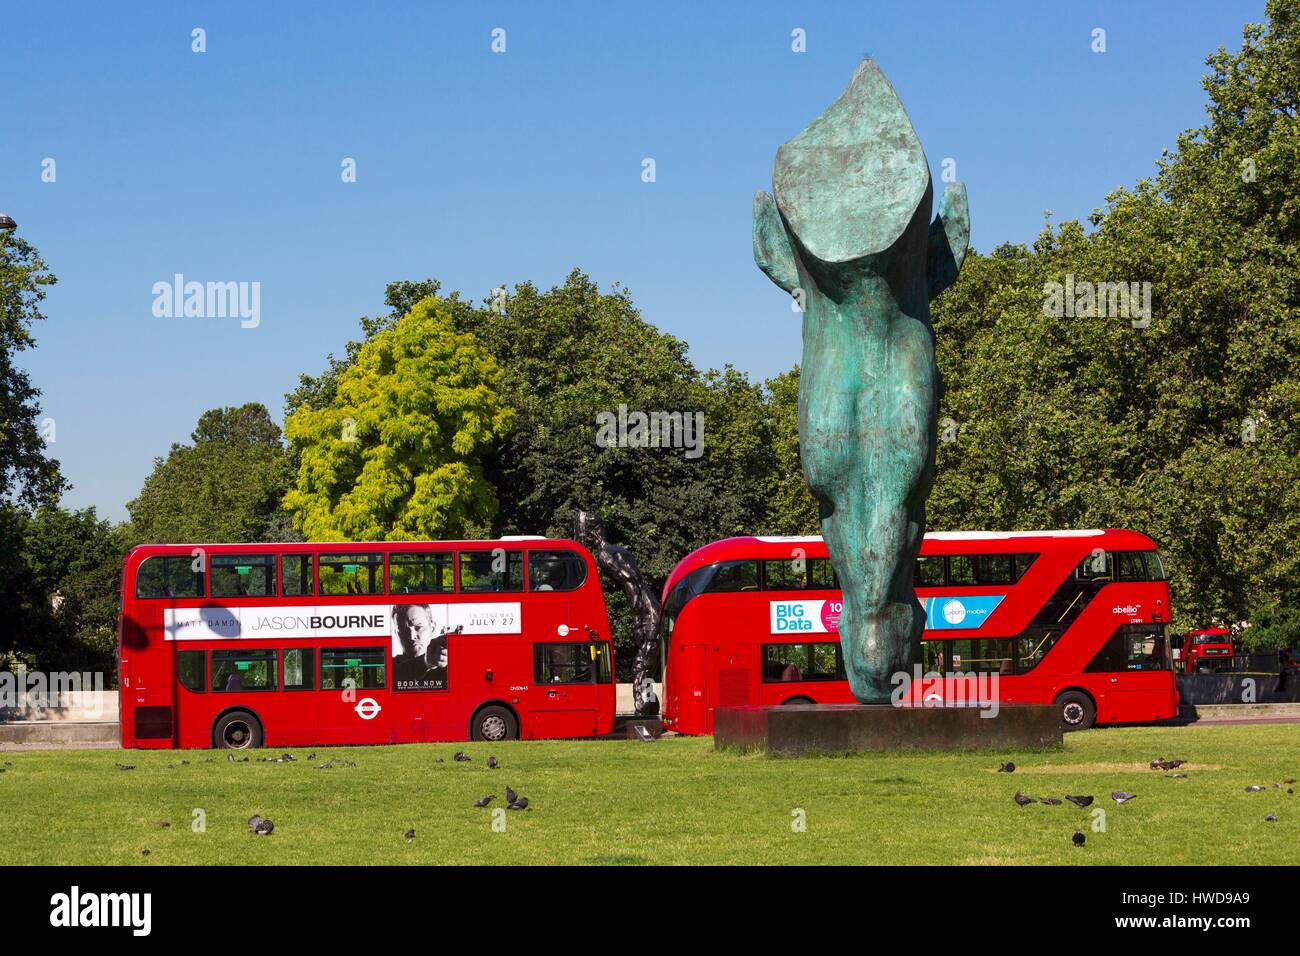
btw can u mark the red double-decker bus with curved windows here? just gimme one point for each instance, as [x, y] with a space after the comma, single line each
[245, 645]
[1075, 619]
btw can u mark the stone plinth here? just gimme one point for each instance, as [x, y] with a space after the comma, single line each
[841, 728]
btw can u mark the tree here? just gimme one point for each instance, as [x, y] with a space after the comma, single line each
[74, 561]
[793, 508]
[26, 474]
[226, 486]
[396, 454]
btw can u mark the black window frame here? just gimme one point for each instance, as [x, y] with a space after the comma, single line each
[253, 654]
[570, 560]
[200, 576]
[370, 559]
[376, 655]
[181, 656]
[595, 667]
[402, 559]
[807, 668]
[479, 554]
[253, 559]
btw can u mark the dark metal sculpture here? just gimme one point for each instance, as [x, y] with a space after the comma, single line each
[589, 531]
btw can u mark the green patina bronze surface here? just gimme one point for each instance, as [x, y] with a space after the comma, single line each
[848, 233]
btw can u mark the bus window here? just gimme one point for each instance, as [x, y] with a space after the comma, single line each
[235, 671]
[297, 579]
[735, 576]
[556, 571]
[961, 569]
[169, 576]
[421, 572]
[1022, 563]
[299, 668]
[1097, 566]
[1155, 567]
[929, 572]
[366, 666]
[1133, 647]
[783, 663]
[1032, 647]
[987, 655]
[242, 575]
[351, 573]
[192, 670]
[785, 574]
[563, 663]
[821, 574]
[993, 569]
[495, 570]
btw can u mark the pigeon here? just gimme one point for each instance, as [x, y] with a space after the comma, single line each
[264, 828]
[311, 756]
[1119, 796]
[1007, 767]
[520, 804]
[410, 835]
[1078, 838]
[1023, 800]
[230, 757]
[286, 758]
[144, 852]
[254, 822]
[1253, 789]
[164, 824]
[1271, 818]
[440, 760]
[1081, 801]
[172, 766]
[1050, 801]
[460, 757]
[126, 766]
[492, 763]
[245, 760]
[1161, 764]
[1277, 786]
[511, 796]
[1176, 776]
[185, 763]
[1292, 780]
[484, 801]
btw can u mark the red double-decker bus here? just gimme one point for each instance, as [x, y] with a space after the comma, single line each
[1075, 619]
[244, 645]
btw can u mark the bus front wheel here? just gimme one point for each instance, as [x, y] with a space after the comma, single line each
[237, 730]
[1077, 710]
[493, 724]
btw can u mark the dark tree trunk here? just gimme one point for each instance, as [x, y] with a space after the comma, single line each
[589, 531]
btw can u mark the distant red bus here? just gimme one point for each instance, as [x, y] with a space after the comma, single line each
[1075, 619]
[1207, 649]
[245, 645]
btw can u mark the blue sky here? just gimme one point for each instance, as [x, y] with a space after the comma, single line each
[482, 168]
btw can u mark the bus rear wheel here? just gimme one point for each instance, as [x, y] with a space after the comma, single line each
[493, 724]
[796, 702]
[1077, 710]
[237, 730]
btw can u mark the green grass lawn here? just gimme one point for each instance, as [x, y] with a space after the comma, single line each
[672, 801]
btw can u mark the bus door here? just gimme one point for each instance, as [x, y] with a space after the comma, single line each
[733, 674]
[562, 699]
[353, 698]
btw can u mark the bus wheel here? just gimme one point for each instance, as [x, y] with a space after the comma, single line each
[237, 730]
[1077, 710]
[796, 701]
[494, 723]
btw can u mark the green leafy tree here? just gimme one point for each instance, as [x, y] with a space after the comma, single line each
[226, 486]
[27, 475]
[396, 453]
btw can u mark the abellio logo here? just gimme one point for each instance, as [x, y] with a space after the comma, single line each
[74, 909]
[1129, 609]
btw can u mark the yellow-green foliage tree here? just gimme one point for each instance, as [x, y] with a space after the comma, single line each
[396, 455]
